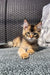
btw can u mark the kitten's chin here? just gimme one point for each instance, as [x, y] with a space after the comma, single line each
[32, 40]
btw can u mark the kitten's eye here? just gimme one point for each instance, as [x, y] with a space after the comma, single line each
[35, 34]
[28, 33]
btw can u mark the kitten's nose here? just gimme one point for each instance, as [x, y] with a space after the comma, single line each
[31, 36]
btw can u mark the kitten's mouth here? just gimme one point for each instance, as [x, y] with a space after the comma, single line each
[31, 40]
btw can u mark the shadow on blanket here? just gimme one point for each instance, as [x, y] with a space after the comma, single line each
[40, 48]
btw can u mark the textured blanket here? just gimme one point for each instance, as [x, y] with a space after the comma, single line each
[44, 39]
[36, 64]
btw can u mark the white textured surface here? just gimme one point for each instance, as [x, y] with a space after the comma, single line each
[44, 39]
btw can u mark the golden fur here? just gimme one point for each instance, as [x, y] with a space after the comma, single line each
[27, 47]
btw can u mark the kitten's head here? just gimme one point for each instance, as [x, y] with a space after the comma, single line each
[31, 32]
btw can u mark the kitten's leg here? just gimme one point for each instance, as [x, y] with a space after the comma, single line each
[22, 53]
[30, 51]
[16, 42]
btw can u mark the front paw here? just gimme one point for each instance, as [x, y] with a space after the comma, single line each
[24, 55]
[30, 51]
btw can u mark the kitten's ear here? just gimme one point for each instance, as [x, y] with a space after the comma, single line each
[25, 24]
[38, 26]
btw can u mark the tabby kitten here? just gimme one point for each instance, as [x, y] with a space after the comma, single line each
[29, 41]
[28, 45]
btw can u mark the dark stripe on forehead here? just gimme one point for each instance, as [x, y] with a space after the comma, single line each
[32, 28]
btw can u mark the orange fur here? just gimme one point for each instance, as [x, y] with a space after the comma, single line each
[25, 47]
[16, 42]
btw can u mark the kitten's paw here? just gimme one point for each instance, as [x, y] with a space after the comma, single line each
[30, 51]
[24, 55]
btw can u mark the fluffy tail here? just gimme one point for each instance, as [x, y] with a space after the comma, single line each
[7, 45]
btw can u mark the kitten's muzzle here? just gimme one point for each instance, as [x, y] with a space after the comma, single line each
[31, 36]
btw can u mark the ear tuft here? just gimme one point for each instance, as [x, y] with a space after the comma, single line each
[25, 21]
[25, 25]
